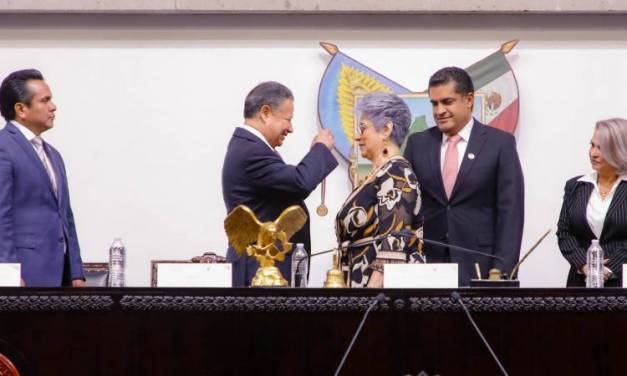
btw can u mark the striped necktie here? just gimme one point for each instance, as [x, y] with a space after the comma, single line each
[38, 144]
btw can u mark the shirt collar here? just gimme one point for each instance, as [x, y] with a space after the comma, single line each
[464, 133]
[258, 134]
[25, 131]
[593, 176]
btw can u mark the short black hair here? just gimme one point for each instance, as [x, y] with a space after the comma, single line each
[269, 93]
[13, 90]
[463, 82]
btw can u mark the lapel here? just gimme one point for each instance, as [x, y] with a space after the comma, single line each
[28, 149]
[434, 151]
[56, 167]
[579, 207]
[475, 144]
[618, 199]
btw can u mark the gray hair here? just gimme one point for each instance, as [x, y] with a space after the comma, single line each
[381, 108]
[613, 142]
[269, 93]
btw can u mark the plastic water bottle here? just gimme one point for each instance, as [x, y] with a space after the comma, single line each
[117, 255]
[595, 265]
[300, 266]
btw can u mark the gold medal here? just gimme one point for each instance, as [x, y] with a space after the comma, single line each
[322, 210]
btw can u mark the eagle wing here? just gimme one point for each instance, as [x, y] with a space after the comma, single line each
[242, 228]
[291, 220]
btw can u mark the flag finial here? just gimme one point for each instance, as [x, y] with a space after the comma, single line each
[330, 47]
[508, 46]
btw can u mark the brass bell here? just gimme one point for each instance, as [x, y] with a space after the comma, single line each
[335, 276]
[494, 274]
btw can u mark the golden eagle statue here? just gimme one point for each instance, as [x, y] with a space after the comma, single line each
[243, 228]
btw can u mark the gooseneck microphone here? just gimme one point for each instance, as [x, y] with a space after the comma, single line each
[313, 255]
[379, 299]
[399, 234]
[409, 234]
[355, 244]
[456, 297]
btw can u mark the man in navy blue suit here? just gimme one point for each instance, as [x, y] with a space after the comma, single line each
[470, 179]
[36, 221]
[255, 175]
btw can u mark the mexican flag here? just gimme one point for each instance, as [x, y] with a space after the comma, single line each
[493, 76]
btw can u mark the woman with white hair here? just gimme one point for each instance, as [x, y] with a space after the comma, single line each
[387, 201]
[595, 207]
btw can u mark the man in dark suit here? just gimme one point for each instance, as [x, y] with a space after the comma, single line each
[470, 179]
[255, 175]
[36, 221]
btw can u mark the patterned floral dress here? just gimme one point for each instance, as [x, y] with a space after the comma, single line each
[387, 201]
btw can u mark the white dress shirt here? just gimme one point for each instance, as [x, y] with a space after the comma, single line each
[25, 131]
[30, 136]
[258, 134]
[597, 206]
[464, 135]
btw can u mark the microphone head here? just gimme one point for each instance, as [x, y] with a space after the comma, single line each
[381, 298]
[455, 295]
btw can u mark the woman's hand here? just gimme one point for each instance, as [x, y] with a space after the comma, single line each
[607, 272]
[376, 280]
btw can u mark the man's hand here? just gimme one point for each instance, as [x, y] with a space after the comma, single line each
[22, 283]
[325, 137]
[78, 283]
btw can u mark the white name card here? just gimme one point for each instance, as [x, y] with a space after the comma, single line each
[194, 275]
[10, 275]
[430, 276]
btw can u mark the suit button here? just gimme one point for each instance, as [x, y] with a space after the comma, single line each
[448, 207]
[61, 239]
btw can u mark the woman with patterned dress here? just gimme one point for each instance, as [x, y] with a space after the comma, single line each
[388, 201]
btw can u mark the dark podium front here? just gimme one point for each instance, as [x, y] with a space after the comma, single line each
[98, 331]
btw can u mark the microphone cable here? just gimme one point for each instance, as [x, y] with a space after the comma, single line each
[380, 299]
[456, 297]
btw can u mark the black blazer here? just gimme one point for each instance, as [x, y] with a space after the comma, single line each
[486, 208]
[574, 234]
[256, 176]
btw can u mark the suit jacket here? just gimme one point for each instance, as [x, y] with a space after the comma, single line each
[574, 234]
[35, 225]
[486, 208]
[256, 176]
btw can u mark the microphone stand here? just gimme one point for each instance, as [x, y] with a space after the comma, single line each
[457, 298]
[380, 299]
[399, 234]
[473, 282]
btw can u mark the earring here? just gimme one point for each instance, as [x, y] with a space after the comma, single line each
[385, 147]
